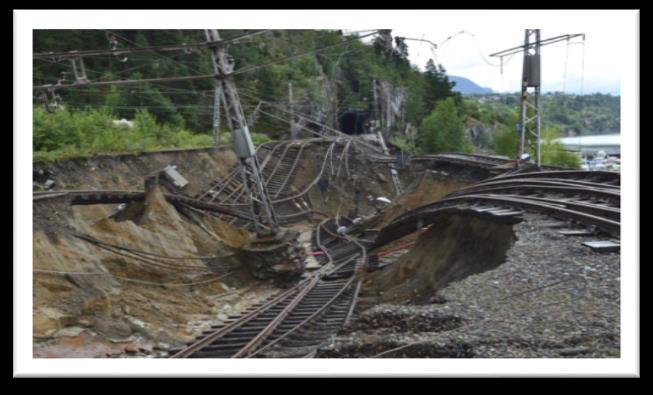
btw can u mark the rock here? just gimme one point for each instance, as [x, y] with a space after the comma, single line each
[44, 326]
[70, 331]
[131, 348]
[49, 184]
[574, 351]
[112, 328]
[222, 317]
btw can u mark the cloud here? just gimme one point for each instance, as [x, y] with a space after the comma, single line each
[594, 68]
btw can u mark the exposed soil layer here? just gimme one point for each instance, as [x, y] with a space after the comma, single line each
[467, 288]
[89, 299]
[201, 166]
[553, 297]
[95, 301]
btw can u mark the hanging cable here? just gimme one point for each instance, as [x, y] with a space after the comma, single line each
[582, 68]
[564, 78]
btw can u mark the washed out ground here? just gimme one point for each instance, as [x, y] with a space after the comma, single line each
[468, 288]
[550, 296]
[91, 300]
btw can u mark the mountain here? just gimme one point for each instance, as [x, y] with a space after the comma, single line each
[468, 87]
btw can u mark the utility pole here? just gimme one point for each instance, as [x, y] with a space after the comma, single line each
[291, 108]
[265, 221]
[217, 95]
[531, 73]
[531, 78]
[378, 114]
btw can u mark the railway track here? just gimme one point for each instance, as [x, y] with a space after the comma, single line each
[475, 160]
[90, 197]
[280, 163]
[296, 322]
[591, 199]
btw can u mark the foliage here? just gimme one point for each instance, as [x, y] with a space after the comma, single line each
[505, 140]
[336, 78]
[347, 70]
[443, 130]
[554, 154]
[572, 115]
[71, 133]
[404, 144]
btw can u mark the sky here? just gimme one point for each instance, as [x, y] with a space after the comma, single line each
[467, 55]
[491, 31]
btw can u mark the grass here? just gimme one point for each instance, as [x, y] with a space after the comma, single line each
[82, 134]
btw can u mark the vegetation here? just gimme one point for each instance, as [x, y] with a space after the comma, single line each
[553, 152]
[443, 130]
[332, 81]
[572, 115]
[336, 79]
[73, 133]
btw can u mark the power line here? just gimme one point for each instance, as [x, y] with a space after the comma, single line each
[252, 68]
[155, 48]
[547, 41]
[195, 77]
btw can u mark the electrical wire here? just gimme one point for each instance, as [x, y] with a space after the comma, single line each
[64, 273]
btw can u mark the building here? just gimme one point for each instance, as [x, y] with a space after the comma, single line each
[588, 146]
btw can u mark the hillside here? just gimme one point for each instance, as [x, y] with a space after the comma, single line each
[467, 86]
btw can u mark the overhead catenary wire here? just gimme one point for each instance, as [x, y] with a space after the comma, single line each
[121, 51]
[197, 77]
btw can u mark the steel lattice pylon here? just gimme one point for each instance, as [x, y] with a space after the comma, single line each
[261, 206]
[530, 122]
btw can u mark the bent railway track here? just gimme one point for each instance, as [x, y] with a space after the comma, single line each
[476, 160]
[296, 322]
[280, 163]
[591, 199]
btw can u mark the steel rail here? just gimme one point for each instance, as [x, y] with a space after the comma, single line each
[542, 187]
[564, 174]
[305, 321]
[197, 346]
[606, 224]
[258, 339]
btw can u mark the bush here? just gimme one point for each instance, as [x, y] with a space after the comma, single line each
[505, 142]
[554, 154]
[82, 133]
[443, 130]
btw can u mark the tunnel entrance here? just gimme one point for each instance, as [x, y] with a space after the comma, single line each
[354, 121]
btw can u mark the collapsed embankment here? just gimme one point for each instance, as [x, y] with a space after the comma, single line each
[153, 277]
[452, 249]
[103, 287]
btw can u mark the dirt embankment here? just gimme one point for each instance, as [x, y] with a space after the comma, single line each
[452, 249]
[124, 295]
[429, 188]
[552, 297]
[120, 294]
[90, 300]
[200, 166]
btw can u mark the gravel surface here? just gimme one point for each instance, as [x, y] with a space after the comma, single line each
[552, 298]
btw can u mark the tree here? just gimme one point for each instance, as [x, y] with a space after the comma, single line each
[505, 140]
[438, 86]
[554, 154]
[443, 130]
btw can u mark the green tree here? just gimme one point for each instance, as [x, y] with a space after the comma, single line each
[438, 86]
[443, 130]
[505, 140]
[554, 154]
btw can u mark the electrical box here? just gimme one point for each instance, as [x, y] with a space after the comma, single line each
[173, 175]
[532, 69]
[243, 143]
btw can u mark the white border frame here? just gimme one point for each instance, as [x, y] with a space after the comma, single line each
[624, 23]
